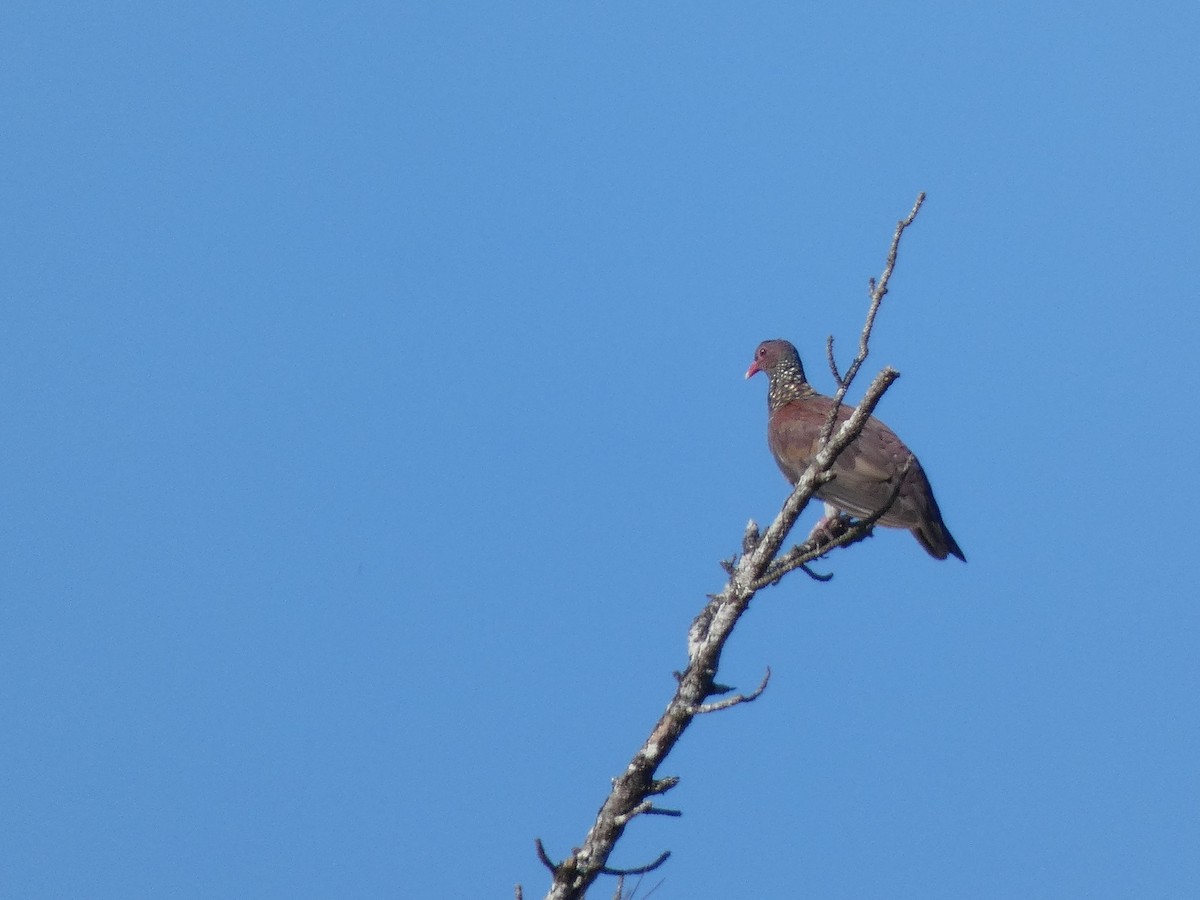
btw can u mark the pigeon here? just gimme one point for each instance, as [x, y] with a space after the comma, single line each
[866, 471]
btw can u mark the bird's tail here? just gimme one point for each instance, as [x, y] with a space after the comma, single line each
[936, 538]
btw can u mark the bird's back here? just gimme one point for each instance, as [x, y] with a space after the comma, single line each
[864, 474]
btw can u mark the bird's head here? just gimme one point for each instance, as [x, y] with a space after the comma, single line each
[775, 356]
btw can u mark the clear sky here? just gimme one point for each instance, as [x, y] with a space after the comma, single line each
[375, 423]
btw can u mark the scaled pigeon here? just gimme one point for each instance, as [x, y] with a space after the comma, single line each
[866, 471]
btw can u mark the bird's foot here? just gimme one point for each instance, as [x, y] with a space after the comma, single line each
[829, 528]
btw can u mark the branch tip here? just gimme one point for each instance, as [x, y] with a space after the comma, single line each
[662, 785]
[640, 870]
[837, 376]
[816, 576]
[541, 854]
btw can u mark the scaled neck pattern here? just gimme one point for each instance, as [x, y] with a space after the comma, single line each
[787, 384]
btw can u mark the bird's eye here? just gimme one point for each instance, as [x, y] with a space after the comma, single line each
[762, 351]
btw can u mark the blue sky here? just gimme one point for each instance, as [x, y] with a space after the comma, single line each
[375, 423]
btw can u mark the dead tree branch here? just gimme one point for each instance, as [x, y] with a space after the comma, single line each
[877, 291]
[844, 532]
[734, 701]
[758, 566]
[641, 870]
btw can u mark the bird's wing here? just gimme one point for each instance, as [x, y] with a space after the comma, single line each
[864, 473]
[865, 478]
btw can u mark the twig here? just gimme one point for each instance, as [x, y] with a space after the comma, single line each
[648, 809]
[541, 854]
[799, 556]
[640, 870]
[734, 701]
[837, 377]
[815, 576]
[877, 292]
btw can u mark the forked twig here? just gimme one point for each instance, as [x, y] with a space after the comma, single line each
[802, 554]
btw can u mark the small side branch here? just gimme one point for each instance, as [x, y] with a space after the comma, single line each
[545, 860]
[662, 785]
[852, 532]
[640, 870]
[837, 376]
[646, 808]
[815, 576]
[735, 700]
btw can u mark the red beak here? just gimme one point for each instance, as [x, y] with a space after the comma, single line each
[753, 370]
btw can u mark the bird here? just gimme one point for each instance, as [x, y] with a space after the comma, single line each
[866, 471]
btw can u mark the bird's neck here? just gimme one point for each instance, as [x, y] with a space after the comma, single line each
[787, 384]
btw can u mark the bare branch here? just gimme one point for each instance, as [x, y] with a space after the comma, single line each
[825, 536]
[799, 556]
[837, 376]
[877, 292]
[706, 641]
[734, 701]
[541, 854]
[828, 576]
[640, 870]
[648, 809]
[518, 893]
[759, 565]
